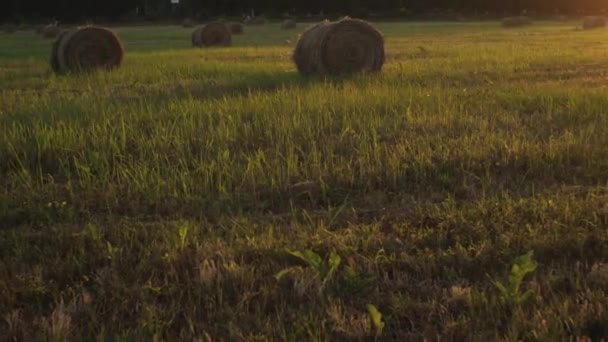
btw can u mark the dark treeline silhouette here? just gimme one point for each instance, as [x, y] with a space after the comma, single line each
[119, 10]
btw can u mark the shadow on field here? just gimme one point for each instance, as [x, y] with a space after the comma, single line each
[368, 197]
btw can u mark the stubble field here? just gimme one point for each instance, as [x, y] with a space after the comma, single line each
[170, 198]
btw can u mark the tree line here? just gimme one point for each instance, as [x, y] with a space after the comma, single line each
[117, 10]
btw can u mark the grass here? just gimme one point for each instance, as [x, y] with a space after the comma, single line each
[163, 199]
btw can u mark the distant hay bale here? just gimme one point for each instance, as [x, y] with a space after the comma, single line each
[236, 28]
[590, 23]
[86, 49]
[289, 24]
[261, 20]
[519, 21]
[188, 23]
[340, 47]
[9, 28]
[212, 34]
[51, 31]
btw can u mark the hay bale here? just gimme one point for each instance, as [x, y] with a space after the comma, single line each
[236, 28]
[590, 23]
[212, 34]
[188, 23]
[55, 66]
[51, 31]
[261, 20]
[340, 47]
[9, 28]
[85, 49]
[289, 24]
[520, 21]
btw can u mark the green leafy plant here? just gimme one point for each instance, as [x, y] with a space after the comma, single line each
[376, 319]
[323, 269]
[510, 294]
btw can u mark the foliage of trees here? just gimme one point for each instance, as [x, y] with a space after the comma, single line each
[111, 10]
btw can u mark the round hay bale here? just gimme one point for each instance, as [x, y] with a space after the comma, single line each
[519, 21]
[340, 47]
[212, 34]
[590, 23]
[289, 24]
[54, 52]
[236, 28]
[188, 23]
[51, 31]
[85, 49]
[9, 28]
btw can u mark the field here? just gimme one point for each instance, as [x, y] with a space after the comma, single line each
[214, 194]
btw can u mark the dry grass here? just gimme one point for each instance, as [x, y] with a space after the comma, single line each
[161, 200]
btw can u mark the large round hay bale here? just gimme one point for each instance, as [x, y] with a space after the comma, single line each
[289, 24]
[590, 23]
[188, 23]
[212, 34]
[519, 21]
[51, 31]
[340, 47]
[236, 28]
[85, 49]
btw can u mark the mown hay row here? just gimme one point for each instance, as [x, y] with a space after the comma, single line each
[85, 49]
[212, 34]
[340, 47]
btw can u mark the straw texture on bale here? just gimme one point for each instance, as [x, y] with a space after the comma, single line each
[340, 47]
[212, 34]
[54, 52]
[236, 28]
[516, 21]
[289, 24]
[51, 31]
[590, 23]
[85, 49]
